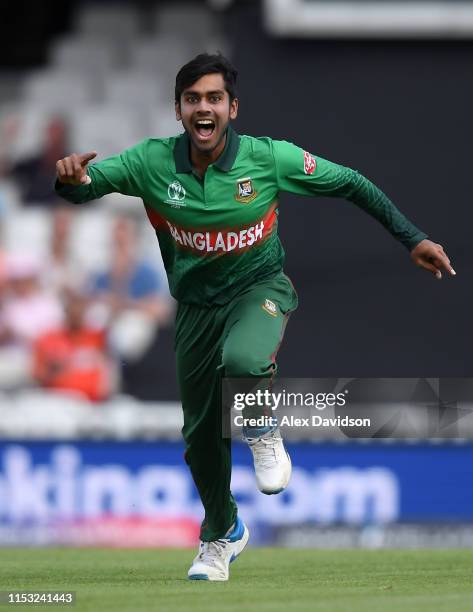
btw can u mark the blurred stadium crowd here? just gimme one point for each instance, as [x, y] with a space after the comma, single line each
[82, 289]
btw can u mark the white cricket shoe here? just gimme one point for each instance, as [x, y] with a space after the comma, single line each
[214, 558]
[272, 462]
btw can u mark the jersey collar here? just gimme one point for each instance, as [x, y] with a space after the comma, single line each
[224, 162]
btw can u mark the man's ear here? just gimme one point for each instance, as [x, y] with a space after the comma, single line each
[177, 108]
[234, 108]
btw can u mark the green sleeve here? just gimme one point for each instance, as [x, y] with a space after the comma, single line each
[121, 173]
[304, 174]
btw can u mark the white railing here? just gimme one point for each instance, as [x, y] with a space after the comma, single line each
[361, 19]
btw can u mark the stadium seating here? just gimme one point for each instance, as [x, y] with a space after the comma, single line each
[84, 54]
[116, 20]
[112, 80]
[27, 231]
[105, 129]
[116, 94]
[46, 89]
[112, 96]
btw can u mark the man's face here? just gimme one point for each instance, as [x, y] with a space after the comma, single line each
[205, 111]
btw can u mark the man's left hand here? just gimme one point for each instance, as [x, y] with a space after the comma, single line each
[432, 257]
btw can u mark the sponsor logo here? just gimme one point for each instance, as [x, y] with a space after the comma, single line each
[270, 307]
[309, 163]
[62, 486]
[245, 190]
[176, 195]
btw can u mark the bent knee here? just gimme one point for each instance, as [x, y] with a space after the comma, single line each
[242, 364]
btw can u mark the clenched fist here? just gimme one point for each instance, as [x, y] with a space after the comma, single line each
[72, 170]
[432, 257]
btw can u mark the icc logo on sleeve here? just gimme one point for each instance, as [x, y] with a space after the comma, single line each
[245, 190]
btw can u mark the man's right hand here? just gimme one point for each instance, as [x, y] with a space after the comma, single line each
[72, 170]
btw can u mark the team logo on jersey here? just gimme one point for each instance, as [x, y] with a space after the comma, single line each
[309, 163]
[245, 190]
[270, 307]
[176, 194]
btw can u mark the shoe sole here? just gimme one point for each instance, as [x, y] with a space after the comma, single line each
[244, 541]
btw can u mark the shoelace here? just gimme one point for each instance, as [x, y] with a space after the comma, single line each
[265, 453]
[210, 552]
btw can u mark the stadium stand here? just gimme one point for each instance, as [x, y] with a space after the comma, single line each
[117, 66]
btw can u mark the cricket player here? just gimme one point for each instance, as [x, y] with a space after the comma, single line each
[212, 197]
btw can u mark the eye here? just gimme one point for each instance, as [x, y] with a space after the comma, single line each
[215, 99]
[191, 99]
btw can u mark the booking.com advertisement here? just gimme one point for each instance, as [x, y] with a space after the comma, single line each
[140, 494]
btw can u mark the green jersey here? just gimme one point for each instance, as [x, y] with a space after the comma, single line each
[218, 234]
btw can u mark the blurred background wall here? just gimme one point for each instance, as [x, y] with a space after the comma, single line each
[398, 111]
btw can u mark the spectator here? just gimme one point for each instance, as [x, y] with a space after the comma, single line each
[9, 126]
[34, 174]
[74, 357]
[27, 311]
[134, 297]
[61, 270]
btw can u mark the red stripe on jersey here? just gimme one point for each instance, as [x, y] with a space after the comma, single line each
[154, 217]
[203, 240]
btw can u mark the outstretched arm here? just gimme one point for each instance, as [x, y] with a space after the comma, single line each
[302, 173]
[78, 182]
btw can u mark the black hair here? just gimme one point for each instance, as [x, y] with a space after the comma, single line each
[203, 64]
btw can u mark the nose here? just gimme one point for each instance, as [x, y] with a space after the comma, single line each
[203, 106]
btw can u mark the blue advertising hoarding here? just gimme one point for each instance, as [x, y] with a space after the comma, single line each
[141, 493]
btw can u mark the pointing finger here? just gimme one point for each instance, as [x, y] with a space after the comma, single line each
[85, 158]
[442, 261]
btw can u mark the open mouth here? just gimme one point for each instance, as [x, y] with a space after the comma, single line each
[205, 127]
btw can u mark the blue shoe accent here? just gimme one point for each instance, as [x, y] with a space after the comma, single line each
[237, 532]
[233, 558]
[198, 577]
[258, 432]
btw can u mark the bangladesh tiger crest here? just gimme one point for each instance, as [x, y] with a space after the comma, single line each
[270, 307]
[245, 191]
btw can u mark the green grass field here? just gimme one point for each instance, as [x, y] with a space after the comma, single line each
[262, 579]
